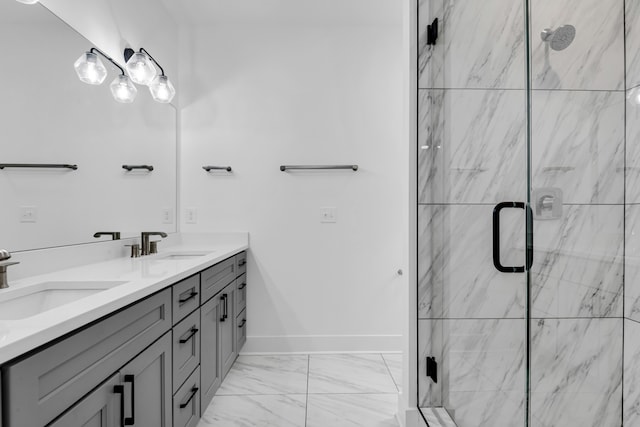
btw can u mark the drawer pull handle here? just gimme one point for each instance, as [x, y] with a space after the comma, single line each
[241, 325]
[131, 379]
[183, 300]
[193, 331]
[242, 263]
[119, 389]
[194, 390]
[242, 286]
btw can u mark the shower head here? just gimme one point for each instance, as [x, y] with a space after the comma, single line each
[560, 38]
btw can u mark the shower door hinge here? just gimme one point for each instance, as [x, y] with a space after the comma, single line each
[432, 33]
[432, 369]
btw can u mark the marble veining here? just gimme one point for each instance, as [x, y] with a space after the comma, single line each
[348, 410]
[481, 370]
[480, 44]
[633, 152]
[578, 263]
[255, 411]
[578, 145]
[266, 375]
[632, 39]
[457, 278]
[632, 263]
[349, 373]
[631, 373]
[472, 146]
[595, 59]
[394, 364]
[576, 372]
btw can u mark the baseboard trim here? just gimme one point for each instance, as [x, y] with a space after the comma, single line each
[323, 344]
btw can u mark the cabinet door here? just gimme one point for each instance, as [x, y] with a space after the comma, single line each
[227, 329]
[100, 408]
[148, 386]
[210, 367]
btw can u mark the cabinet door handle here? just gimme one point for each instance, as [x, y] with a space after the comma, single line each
[242, 286]
[193, 332]
[242, 263]
[226, 306]
[183, 300]
[223, 299]
[132, 420]
[119, 389]
[194, 390]
[241, 325]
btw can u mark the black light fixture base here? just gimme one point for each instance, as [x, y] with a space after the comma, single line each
[128, 53]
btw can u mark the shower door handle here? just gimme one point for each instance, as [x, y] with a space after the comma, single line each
[496, 237]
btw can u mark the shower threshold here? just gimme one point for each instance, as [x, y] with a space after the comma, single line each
[437, 417]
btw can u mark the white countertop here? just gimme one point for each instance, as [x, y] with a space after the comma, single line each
[143, 277]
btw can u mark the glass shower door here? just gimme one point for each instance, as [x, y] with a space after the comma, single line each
[577, 194]
[472, 155]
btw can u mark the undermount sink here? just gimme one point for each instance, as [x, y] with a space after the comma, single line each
[20, 303]
[180, 256]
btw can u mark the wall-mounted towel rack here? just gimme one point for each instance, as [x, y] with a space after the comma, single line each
[216, 168]
[285, 168]
[132, 167]
[38, 165]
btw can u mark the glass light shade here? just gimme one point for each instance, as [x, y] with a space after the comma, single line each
[141, 69]
[90, 69]
[28, 1]
[162, 90]
[123, 90]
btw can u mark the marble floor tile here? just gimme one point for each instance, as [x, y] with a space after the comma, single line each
[631, 392]
[255, 411]
[394, 363]
[352, 410]
[349, 373]
[266, 375]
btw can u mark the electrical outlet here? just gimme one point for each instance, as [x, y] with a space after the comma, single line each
[167, 216]
[28, 214]
[328, 215]
[191, 216]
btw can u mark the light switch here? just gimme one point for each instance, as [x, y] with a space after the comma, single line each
[191, 216]
[328, 215]
[167, 216]
[28, 214]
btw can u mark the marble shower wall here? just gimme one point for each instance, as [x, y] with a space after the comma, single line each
[472, 152]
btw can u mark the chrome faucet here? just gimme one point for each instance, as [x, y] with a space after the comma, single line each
[115, 235]
[4, 256]
[146, 244]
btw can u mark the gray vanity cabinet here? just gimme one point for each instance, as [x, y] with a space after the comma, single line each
[210, 367]
[100, 408]
[228, 351]
[147, 386]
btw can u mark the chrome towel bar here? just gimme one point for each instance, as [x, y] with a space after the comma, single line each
[285, 168]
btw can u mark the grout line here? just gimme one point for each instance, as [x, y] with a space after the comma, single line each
[306, 403]
[390, 374]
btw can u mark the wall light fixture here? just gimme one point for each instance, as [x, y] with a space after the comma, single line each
[28, 1]
[91, 70]
[140, 66]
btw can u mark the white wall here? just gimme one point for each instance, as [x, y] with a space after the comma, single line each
[255, 97]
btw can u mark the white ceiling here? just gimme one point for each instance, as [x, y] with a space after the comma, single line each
[303, 12]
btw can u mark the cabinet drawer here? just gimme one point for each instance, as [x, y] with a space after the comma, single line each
[241, 293]
[214, 279]
[241, 331]
[186, 348]
[241, 261]
[186, 402]
[186, 297]
[43, 385]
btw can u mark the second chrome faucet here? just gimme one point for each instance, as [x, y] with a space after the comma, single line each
[149, 247]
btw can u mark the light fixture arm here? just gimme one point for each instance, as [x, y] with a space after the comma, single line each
[94, 50]
[143, 50]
